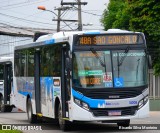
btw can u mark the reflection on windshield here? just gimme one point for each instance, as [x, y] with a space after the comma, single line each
[88, 70]
[132, 71]
[93, 69]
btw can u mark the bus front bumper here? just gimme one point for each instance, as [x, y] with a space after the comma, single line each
[80, 114]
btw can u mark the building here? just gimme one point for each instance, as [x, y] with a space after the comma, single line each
[14, 36]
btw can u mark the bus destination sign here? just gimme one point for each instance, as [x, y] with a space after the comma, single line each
[110, 39]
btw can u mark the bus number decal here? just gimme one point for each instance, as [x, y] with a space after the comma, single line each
[56, 82]
[90, 80]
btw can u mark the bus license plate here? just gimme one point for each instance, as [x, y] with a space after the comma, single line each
[114, 113]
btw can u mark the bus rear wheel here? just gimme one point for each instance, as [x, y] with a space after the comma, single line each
[1, 103]
[63, 124]
[31, 117]
[124, 123]
[4, 108]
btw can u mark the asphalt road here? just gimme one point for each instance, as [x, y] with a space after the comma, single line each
[21, 118]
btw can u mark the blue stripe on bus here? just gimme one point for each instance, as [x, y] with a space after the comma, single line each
[76, 94]
[51, 41]
[25, 93]
[93, 103]
[90, 32]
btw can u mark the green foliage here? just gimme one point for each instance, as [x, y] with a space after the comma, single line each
[111, 15]
[157, 68]
[10, 131]
[137, 15]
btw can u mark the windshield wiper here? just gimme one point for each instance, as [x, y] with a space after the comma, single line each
[120, 62]
[98, 57]
[137, 68]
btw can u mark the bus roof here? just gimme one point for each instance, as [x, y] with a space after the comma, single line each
[59, 35]
[67, 37]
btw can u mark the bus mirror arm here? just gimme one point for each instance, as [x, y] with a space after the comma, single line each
[149, 61]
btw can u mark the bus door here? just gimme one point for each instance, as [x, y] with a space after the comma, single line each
[65, 82]
[8, 79]
[37, 82]
[1, 82]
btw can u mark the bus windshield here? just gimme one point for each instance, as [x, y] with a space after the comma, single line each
[108, 69]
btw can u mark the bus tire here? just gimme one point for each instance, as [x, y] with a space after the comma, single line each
[31, 117]
[124, 123]
[6, 108]
[9, 108]
[63, 124]
[1, 102]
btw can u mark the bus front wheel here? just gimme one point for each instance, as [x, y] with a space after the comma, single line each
[31, 117]
[63, 124]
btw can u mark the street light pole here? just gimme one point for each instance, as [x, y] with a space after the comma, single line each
[44, 9]
[58, 16]
[58, 20]
[79, 16]
[79, 3]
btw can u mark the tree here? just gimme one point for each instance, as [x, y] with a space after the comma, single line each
[111, 15]
[115, 16]
[145, 18]
[137, 15]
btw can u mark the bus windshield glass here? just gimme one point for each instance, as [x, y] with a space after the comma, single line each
[108, 69]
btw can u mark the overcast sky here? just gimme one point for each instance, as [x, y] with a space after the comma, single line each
[25, 13]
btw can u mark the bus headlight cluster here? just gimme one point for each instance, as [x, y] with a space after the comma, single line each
[143, 102]
[146, 99]
[81, 104]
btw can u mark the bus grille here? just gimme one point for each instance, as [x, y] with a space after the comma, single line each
[104, 112]
[118, 94]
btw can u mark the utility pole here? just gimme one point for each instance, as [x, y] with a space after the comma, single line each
[59, 17]
[79, 16]
[79, 3]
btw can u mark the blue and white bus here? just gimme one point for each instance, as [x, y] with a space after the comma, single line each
[83, 76]
[6, 84]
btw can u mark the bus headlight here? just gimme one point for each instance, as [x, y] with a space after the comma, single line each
[143, 102]
[140, 104]
[78, 102]
[85, 106]
[81, 104]
[146, 99]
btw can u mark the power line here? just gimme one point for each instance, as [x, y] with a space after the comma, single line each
[79, 3]
[15, 41]
[84, 11]
[20, 4]
[22, 19]
[26, 15]
[39, 23]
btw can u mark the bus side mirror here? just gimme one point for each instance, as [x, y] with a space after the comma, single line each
[149, 61]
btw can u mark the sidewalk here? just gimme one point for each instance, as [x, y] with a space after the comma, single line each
[154, 118]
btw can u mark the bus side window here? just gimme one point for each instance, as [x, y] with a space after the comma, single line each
[45, 59]
[20, 63]
[1, 71]
[30, 62]
[51, 61]
[55, 66]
